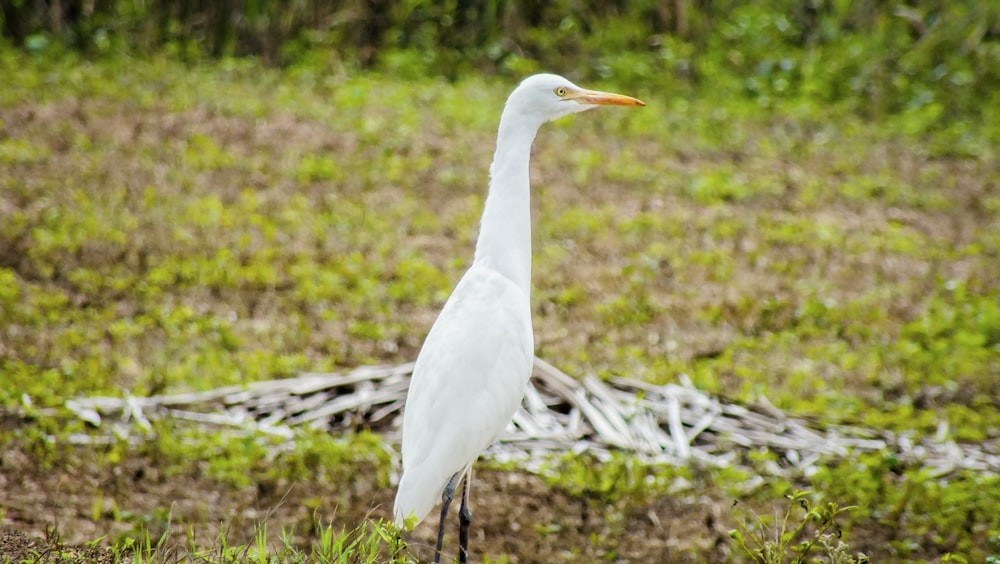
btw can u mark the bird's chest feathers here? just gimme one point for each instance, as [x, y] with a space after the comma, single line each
[483, 332]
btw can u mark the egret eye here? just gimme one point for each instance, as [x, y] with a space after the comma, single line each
[561, 91]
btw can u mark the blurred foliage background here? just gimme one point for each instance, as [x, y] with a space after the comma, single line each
[938, 60]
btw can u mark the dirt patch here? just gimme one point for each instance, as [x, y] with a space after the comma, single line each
[515, 514]
[18, 546]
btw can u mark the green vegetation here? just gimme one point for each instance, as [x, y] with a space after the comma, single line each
[933, 60]
[372, 541]
[765, 541]
[806, 210]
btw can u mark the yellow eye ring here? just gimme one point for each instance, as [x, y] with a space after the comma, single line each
[561, 91]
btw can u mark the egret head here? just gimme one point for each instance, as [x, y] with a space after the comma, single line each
[546, 97]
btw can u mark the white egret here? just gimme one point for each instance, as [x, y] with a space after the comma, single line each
[471, 373]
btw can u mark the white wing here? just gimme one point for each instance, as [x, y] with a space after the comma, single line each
[469, 379]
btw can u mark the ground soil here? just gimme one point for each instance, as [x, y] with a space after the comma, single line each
[57, 511]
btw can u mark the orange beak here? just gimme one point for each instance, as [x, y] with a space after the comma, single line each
[603, 98]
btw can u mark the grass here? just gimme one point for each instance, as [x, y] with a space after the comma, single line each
[372, 541]
[172, 228]
[767, 541]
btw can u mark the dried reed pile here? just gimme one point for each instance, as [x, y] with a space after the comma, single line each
[674, 424]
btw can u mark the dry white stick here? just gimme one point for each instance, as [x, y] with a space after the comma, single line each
[677, 429]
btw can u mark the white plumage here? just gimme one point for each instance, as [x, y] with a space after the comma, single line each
[459, 417]
[471, 373]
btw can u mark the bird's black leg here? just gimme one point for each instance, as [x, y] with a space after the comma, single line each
[464, 519]
[446, 497]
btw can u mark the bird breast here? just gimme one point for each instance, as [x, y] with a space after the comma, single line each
[469, 379]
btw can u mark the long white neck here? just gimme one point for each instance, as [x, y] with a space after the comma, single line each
[504, 241]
